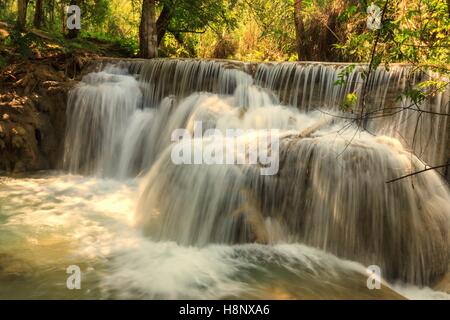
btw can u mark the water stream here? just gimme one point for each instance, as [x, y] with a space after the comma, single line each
[141, 226]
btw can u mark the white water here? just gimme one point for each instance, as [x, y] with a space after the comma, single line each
[51, 221]
[312, 87]
[192, 231]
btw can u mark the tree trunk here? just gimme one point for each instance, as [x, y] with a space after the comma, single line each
[51, 18]
[448, 8]
[72, 33]
[148, 37]
[163, 22]
[63, 16]
[299, 30]
[39, 14]
[22, 13]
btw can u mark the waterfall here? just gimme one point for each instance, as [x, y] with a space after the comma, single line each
[312, 86]
[330, 191]
[162, 78]
[102, 105]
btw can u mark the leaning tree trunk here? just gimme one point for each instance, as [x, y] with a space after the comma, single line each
[163, 22]
[39, 14]
[300, 30]
[22, 13]
[148, 38]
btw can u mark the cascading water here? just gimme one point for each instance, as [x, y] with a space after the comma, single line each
[329, 191]
[95, 132]
[421, 128]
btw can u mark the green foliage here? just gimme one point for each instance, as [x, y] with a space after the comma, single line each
[414, 94]
[350, 101]
[24, 41]
[347, 14]
[264, 30]
[423, 90]
[125, 44]
[6, 12]
[432, 86]
[196, 15]
[343, 75]
[416, 32]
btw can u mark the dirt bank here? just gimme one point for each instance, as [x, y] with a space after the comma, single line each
[32, 112]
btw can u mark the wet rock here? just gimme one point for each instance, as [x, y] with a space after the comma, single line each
[33, 97]
[19, 167]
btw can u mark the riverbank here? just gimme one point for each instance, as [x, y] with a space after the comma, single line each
[37, 71]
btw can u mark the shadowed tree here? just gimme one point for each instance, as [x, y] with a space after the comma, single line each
[164, 20]
[22, 6]
[39, 14]
[299, 30]
[148, 42]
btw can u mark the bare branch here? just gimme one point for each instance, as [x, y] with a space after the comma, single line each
[418, 172]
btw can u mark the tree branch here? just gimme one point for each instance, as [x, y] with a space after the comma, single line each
[418, 172]
[186, 31]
